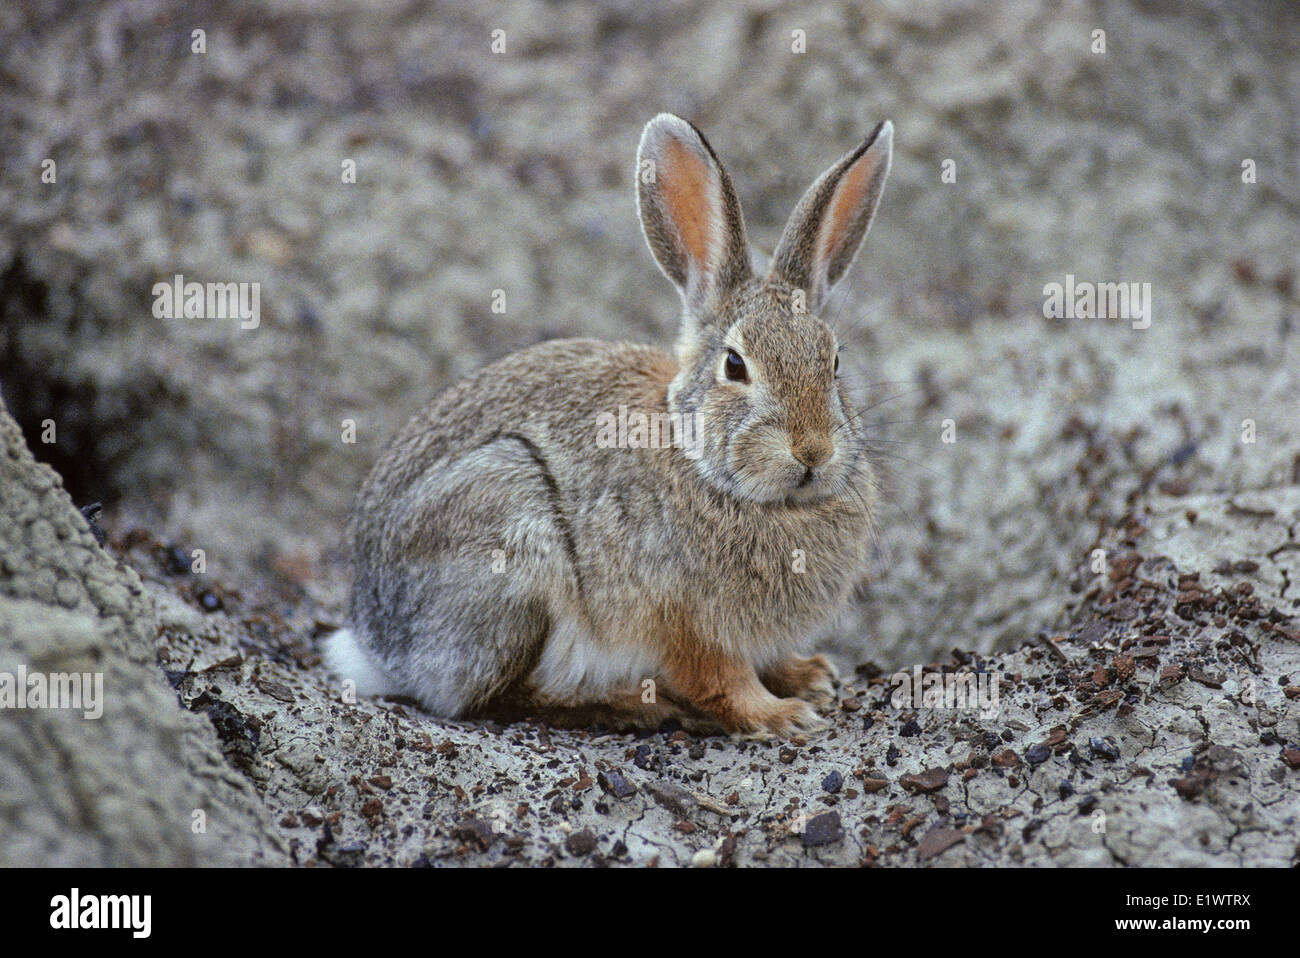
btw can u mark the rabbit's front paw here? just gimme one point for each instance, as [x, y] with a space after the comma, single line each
[812, 679]
[728, 691]
[784, 718]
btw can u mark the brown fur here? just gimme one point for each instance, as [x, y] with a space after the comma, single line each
[506, 560]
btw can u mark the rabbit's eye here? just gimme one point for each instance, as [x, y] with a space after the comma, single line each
[735, 367]
[836, 370]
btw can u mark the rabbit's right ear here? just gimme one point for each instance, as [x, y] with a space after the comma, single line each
[690, 213]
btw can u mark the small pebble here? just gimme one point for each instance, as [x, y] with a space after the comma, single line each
[580, 843]
[823, 829]
[642, 759]
[615, 784]
[1103, 748]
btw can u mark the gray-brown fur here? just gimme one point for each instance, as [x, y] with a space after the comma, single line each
[619, 565]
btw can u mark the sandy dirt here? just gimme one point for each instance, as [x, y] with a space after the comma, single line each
[1175, 448]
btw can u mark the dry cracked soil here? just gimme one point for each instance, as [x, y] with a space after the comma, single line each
[1113, 538]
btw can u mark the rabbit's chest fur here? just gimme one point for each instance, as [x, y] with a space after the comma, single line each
[755, 578]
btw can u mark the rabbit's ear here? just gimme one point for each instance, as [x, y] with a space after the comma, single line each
[828, 226]
[689, 212]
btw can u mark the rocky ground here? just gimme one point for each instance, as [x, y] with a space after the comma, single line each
[1147, 696]
[1160, 727]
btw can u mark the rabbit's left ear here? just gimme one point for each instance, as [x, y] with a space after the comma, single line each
[828, 226]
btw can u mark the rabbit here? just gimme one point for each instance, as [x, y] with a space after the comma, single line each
[504, 557]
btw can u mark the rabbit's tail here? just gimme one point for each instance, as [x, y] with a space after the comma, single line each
[347, 659]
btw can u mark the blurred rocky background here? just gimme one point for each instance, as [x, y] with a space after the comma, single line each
[1164, 150]
[479, 171]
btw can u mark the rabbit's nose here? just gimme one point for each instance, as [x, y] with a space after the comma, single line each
[813, 452]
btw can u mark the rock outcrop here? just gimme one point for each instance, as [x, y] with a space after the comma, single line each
[142, 783]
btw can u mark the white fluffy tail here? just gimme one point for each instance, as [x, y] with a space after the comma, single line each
[345, 657]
